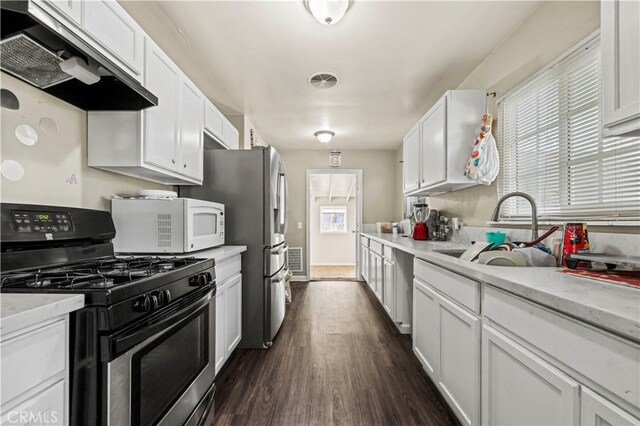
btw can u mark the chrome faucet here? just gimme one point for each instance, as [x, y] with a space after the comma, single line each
[534, 211]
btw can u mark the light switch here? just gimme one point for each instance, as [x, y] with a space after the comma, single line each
[299, 225]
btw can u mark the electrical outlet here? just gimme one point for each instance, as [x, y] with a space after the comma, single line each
[299, 225]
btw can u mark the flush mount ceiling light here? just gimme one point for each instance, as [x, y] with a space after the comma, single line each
[328, 12]
[324, 136]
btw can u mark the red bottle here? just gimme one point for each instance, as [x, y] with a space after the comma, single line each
[576, 240]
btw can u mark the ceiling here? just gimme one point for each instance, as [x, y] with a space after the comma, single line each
[332, 186]
[393, 58]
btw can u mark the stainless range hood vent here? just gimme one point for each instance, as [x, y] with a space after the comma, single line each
[29, 52]
[22, 57]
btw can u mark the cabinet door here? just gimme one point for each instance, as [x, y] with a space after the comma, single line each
[378, 283]
[411, 160]
[213, 120]
[459, 360]
[191, 117]
[389, 288]
[597, 411]
[433, 146]
[161, 122]
[620, 27]
[63, 10]
[518, 388]
[424, 328]
[221, 326]
[46, 407]
[116, 33]
[364, 259]
[230, 136]
[233, 313]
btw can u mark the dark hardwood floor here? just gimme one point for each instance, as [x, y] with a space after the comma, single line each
[337, 359]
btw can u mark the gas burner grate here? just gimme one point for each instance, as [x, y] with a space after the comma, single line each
[98, 274]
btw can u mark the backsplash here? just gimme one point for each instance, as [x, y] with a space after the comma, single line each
[44, 154]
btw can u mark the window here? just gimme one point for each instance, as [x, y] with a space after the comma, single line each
[552, 148]
[333, 219]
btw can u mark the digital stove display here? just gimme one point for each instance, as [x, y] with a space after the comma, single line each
[33, 221]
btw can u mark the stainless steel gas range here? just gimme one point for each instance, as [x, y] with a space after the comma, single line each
[142, 350]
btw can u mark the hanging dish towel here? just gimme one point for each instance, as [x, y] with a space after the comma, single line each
[484, 163]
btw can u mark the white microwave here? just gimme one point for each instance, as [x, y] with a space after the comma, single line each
[178, 225]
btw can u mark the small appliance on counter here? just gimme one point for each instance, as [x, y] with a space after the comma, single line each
[419, 228]
[166, 225]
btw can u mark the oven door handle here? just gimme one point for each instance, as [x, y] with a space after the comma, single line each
[122, 342]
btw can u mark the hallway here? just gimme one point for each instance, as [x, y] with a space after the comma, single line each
[337, 360]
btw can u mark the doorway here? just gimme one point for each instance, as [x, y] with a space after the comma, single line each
[334, 219]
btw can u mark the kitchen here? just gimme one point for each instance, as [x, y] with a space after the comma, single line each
[130, 306]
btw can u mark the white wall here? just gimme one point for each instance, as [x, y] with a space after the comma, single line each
[55, 168]
[333, 248]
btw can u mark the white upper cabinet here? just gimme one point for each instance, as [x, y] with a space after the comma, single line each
[433, 168]
[64, 10]
[191, 126]
[436, 150]
[597, 411]
[116, 34]
[213, 120]
[161, 124]
[219, 128]
[620, 32]
[411, 160]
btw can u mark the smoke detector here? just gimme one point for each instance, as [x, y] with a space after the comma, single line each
[323, 80]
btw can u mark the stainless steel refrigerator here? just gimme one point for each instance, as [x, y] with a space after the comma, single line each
[252, 184]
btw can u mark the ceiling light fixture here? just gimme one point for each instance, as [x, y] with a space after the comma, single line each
[328, 12]
[324, 136]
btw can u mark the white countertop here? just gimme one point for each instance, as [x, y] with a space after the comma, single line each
[23, 310]
[611, 306]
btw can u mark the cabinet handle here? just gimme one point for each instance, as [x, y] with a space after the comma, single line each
[173, 161]
[184, 165]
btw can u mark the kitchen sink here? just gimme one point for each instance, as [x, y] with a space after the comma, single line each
[452, 252]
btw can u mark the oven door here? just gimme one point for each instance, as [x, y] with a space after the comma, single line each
[204, 225]
[163, 368]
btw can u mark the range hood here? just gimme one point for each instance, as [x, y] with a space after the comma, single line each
[32, 51]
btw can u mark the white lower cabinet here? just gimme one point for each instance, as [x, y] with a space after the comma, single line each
[597, 411]
[228, 309]
[519, 388]
[389, 287]
[34, 365]
[459, 364]
[364, 255]
[424, 327]
[446, 340]
[233, 309]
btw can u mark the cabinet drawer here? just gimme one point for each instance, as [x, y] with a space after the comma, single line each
[364, 241]
[375, 247]
[42, 351]
[603, 358]
[388, 252]
[46, 407]
[227, 268]
[461, 289]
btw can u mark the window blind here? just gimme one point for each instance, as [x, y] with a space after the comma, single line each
[549, 135]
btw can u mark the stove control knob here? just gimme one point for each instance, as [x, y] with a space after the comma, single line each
[143, 304]
[154, 302]
[209, 277]
[202, 280]
[167, 296]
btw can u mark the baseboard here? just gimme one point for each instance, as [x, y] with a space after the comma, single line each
[403, 328]
[296, 278]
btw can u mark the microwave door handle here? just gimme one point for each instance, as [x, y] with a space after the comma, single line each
[121, 344]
